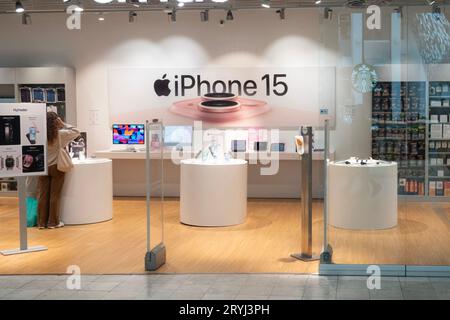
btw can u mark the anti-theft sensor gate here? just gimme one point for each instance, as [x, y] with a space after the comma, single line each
[154, 171]
[306, 253]
[306, 196]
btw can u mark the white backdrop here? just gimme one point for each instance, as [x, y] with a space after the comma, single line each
[294, 96]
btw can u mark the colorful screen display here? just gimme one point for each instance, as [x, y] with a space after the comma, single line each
[128, 134]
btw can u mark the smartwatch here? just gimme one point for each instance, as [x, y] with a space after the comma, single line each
[9, 162]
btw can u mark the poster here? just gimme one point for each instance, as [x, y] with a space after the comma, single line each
[23, 139]
[223, 97]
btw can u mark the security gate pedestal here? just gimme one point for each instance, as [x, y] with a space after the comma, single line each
[306, 228]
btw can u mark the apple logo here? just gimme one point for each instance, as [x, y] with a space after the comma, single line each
[161, 86]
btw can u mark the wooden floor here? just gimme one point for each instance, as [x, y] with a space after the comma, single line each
[263, 244]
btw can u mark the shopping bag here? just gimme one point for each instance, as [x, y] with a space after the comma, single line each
[32, 209]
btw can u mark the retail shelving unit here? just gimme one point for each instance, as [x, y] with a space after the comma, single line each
[399, 117]
[53, 95]
[439, 139]
[53, 86]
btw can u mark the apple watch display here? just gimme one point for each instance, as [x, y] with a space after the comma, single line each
[25, 95]
[33, 159]
[10, 162]
[9, 130]
[38, 95]
[277, 147]
[260, 146]
[61, 94]
[238, 145]
[50, 95]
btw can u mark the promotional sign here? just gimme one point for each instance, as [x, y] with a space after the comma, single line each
[223, 97]
[23, 139]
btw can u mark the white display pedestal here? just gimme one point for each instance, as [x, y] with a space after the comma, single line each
[213, 194]
[87, 193]
[363, 197]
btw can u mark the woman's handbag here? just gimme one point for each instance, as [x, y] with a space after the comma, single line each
[63, 163]
[32, 211]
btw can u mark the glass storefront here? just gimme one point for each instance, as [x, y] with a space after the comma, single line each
[393, 105]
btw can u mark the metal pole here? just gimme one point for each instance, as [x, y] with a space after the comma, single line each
[306, 217]
[21, 184]
[327, 252]
[22, 189]
[147, 180]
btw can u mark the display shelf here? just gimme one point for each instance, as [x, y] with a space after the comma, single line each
[438, 139]
[399, 127]
[40, 93]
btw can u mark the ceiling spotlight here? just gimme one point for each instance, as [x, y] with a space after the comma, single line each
[318, 2]
[101, 17]
[265, 4]
[204, 15]
[281, 13]
[19, 7]
[328, 14]
[26, 19]
[230, 15]
[132, 16]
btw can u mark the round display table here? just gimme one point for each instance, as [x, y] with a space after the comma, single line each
[363, 197]
[87, 195]
[213, 194]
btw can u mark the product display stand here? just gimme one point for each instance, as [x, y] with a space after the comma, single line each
[22, 224]
[327, 252]
[156, 256]
[306, 217]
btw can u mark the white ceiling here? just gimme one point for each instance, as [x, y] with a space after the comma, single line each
[58, 5]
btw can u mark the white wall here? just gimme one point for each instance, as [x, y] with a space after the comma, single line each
[255, 38]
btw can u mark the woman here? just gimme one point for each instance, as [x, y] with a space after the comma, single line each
[59, 135]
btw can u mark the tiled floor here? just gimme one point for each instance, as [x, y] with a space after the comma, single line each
[221, 287]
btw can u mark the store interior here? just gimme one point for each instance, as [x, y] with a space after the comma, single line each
[392, 211]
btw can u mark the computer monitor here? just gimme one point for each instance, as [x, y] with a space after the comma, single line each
[180, 136]
[129, 134]
[238, 145]
[260, 146]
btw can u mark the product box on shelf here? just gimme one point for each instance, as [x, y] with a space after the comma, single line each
[432, 188]
[439, 188]
[447, 188]
[436, 131]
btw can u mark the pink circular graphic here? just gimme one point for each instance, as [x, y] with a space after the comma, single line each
[249, 108]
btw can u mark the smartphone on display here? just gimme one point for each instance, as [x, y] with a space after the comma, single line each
[31, 135]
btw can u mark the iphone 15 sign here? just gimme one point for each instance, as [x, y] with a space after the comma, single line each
[188, 85]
